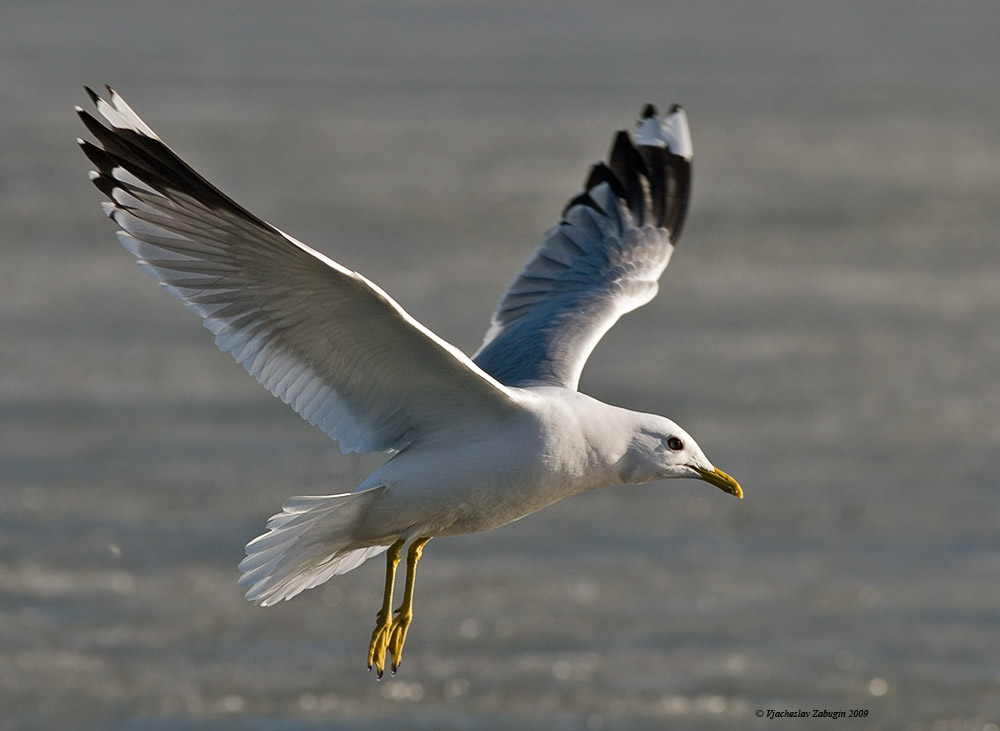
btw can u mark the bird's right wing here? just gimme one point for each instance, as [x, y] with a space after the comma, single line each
[601, 261]
[322, 338]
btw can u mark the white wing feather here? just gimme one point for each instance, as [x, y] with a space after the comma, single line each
[322, 338]
[603, 260]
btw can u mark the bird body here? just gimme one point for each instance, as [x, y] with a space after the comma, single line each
[475, 442]
[492, 476]
[509, 469]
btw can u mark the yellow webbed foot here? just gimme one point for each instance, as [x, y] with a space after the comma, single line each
[380, 643]
[400, 625]
[383, 621]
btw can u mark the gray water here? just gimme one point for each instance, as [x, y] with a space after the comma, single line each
[828, 330]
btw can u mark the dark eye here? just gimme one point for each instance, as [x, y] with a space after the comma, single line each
[675, 444]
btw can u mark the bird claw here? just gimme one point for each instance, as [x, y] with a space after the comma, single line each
[388, 639]
[399, 627]
[379, 644]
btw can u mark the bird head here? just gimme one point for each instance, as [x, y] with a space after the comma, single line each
[659, 449]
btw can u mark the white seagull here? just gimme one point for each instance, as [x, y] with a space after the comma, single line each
[475, 442]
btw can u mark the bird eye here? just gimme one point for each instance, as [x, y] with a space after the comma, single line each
[675, 444]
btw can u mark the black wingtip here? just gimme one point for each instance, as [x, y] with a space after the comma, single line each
[92, 124]
[651, 179]
[601, 173]
[94, 96]
[627, 165]
[582, 199]
[148, 159]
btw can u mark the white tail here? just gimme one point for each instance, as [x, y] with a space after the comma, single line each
[306, 544]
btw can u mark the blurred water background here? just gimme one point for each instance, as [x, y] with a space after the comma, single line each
[828, 331]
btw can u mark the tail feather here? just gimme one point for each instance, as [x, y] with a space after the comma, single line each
[306, 544]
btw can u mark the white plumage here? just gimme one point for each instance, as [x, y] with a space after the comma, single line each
[477, 442]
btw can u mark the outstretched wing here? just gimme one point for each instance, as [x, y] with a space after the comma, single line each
[322, 338]
[601, 261]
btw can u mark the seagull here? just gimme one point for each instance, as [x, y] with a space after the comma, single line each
[474, 443]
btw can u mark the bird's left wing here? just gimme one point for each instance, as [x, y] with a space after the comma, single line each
[601, 261]
[322, 338]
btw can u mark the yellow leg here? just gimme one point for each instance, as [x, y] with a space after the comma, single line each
[404, 615]
[383, 621]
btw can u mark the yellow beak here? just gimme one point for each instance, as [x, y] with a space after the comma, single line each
[721, 480]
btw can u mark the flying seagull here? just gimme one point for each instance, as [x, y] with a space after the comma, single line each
[476, 442]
